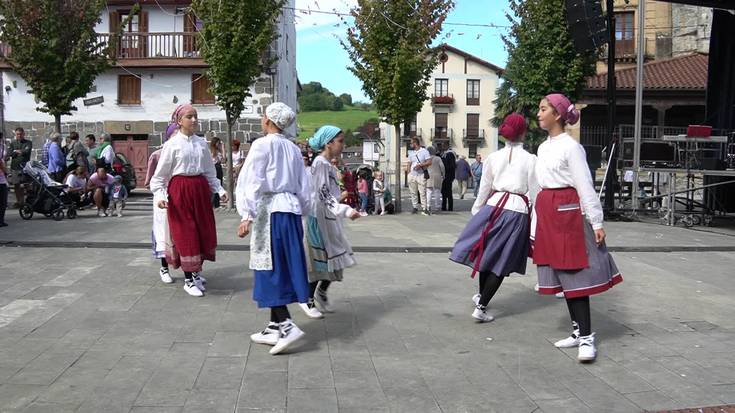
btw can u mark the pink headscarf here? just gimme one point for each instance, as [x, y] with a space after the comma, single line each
[175, 117]
[513, 127]
[564, 107]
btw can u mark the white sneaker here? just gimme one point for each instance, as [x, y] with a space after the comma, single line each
[323, 301]
[535, 287]
[480, 314]
[571, 341]
[119, 214]
[587, 350]
[288, 334]
[268, 336]
[191, 288]
[165, 275]
[310, 309]
[476, 299]
[560, 295]
[198, 281]
[99, 212]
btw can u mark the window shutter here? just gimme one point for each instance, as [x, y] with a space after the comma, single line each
[114, 21]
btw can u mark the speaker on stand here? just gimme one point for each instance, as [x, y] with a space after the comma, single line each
[586, 24]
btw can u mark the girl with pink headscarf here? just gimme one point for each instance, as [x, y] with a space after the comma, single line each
[182, 184]
[569, 241]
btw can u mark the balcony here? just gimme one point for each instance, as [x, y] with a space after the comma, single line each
[442, 100]
[159, 49]
[473, 136]
[442, 135]
[407, 138]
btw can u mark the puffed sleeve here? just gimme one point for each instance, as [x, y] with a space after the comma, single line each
[322, 195]
[583, 184]
[162, 175]
[486, 187]
[250, 181]
[209, 171]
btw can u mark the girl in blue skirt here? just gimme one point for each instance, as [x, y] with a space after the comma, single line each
[496, 241]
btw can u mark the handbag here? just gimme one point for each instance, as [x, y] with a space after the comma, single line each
[426, 172]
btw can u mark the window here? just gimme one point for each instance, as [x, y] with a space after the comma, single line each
[128, 90]
[473, 125]
[441, 87]
[200, 94]
[472, 150]
[473, 92]
[624, 34]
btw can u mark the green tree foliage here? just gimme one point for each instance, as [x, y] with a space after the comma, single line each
[55, 49]
[314, 97]
[541, 60]
[346, 98]
[235, 37]
[390, 46]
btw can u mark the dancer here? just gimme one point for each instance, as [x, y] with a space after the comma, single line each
[569, 241]
[272, 194]
[329, 251]
[183, 182]
[496, 241]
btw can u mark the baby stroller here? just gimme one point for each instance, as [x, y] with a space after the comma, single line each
[45, 196]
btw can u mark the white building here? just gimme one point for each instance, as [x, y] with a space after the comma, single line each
[460, 107]
[159, 66]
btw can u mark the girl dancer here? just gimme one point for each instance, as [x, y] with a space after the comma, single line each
[496, 240]
[329, 251]
[183, 182]
[569, 247]
[272, 194]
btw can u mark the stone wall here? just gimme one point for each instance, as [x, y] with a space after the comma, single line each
[692, 27]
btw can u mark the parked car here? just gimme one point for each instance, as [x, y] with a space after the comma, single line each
[121, 166]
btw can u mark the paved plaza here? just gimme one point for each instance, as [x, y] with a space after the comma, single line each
[87, 326]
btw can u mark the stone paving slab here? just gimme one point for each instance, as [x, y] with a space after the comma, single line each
[109, 337]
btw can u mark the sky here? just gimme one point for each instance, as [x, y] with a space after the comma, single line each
[321, 58]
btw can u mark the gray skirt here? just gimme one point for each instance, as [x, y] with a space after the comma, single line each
[506, 246]
[601, 275]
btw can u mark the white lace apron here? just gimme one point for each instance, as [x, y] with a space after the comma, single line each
[260, 242]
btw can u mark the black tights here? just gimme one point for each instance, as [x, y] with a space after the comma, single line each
[188, 275]
[164, 263]
[489, 284]
[323, 285]
[579, 311]
[279, 314]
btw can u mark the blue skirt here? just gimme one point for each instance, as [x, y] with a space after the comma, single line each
[287, 283]
[506, 246]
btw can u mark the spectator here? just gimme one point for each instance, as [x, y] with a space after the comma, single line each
[45, 152]
[98, 184]
[363, 191]
[417, 176]
[238, 159]
[89, 141]
[76, 153]
[76, 186]
[104, 153]
[434, 183]
[3, 189]
[215, 149]
[476, 171]
[56, 158]
[462, 174]
[379, 192]
[117, 195]
[20, 153]
[449, 159]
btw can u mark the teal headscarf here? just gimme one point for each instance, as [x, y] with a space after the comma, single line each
[323, 136]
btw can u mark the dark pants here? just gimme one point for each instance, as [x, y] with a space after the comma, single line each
[447, 198]
[3, 201]
[220, 175]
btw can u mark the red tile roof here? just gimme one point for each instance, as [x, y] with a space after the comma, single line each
[679, 73]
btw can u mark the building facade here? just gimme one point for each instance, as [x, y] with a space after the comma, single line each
[159, 65]
[460, 106]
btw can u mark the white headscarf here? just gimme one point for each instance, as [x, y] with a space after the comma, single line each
[280, 114]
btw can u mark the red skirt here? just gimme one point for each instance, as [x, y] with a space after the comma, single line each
[559, 239]
[191, 223]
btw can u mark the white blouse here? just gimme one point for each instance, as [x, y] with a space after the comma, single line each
[187, 156]
[562, 163]
[273, 165]
[510, 169]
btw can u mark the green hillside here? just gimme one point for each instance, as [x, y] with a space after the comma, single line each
[349, 118]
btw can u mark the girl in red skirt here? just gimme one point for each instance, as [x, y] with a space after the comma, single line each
[569, 242]
[184, 180]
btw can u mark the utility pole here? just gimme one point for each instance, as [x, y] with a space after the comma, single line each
[611, 177]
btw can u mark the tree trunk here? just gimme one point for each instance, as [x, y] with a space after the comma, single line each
[57, 123]
[398, 169]
[229, 180]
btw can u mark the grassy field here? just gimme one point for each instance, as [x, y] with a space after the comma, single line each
[350, 118]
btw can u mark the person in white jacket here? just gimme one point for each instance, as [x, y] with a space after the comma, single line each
[329, 251]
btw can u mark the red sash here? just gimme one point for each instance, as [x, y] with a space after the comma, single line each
[559, 230]
[478, 249]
